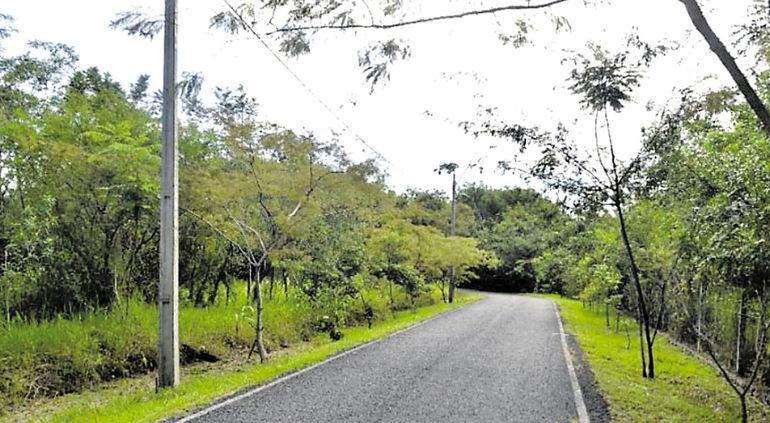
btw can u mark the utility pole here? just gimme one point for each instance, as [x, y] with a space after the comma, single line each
[451, 168]
[168, 297]
[452, 233]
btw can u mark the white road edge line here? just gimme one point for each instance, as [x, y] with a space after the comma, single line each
[290, 376]
[580, 403]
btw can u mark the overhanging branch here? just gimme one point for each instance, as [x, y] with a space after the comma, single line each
[728, 61]
[493, 10]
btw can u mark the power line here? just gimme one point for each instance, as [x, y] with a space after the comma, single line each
[277, 57]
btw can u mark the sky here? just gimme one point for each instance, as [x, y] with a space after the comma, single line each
[456, 68]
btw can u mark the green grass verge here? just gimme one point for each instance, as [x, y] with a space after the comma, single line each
[685, 388]
[134, 400]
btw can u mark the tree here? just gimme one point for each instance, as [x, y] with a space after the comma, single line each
[295, 24]
[604, 81]
[729, 224]
[518, 225]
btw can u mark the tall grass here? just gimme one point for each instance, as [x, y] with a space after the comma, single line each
[64, 355]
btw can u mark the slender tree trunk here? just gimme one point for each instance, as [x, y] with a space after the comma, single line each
[199, 294]
[258, 340]
[7, 307]
[607, 314]
[248, 284]
[739, 334]
[285, 284]
[744, 411]
[214, 291]
[645, 317]
[716, 45]
[641, 342]
[270, 289]
[368, 312]
[220, 278]
[7, 290]
[115, 290]
[129, 294]
[699, 322]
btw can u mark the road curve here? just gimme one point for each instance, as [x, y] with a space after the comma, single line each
[499, 360]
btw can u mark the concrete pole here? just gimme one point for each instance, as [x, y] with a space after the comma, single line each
[452, 233]
[168, 297]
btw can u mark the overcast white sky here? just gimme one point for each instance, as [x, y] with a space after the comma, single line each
[455, 67]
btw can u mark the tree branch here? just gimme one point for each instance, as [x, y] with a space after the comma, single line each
[716, 45]
[598, 148]
[661, 312]
[313, 185]
[421, 20]
[221, 233]
[710, 350]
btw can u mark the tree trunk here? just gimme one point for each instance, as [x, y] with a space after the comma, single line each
[699, 322]
[645, 317]
[214, 291]
[368, 311]
[248, 284]
[221, 277]
[285, 284]
[716, 45]
[115, 290]
[607, 314]
[744, 412]
[641, 342]
[270, 289]
[739, 334]
[7, 290]
[258, 340]
[201, 290]
[7, 309]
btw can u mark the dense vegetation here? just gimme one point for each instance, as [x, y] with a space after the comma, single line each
[674, 237]
[279, 230]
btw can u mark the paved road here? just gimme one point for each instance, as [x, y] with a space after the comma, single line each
[499, 360]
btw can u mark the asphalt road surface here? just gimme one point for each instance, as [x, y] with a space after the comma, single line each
[499, 360]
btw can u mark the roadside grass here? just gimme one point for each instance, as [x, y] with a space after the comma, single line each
[135, 400]
[70, 354]
[685, 388]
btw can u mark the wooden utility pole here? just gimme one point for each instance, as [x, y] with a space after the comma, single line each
[452, 233]
[168, 297]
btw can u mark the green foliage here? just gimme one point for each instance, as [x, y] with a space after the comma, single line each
[65, 355]
[327, 245]
[517, 225]
[686, 388]
[132, 401]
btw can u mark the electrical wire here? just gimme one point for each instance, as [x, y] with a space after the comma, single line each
[246, 25]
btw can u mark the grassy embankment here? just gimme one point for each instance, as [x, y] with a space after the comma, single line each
[685, 387]
[75, 359]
